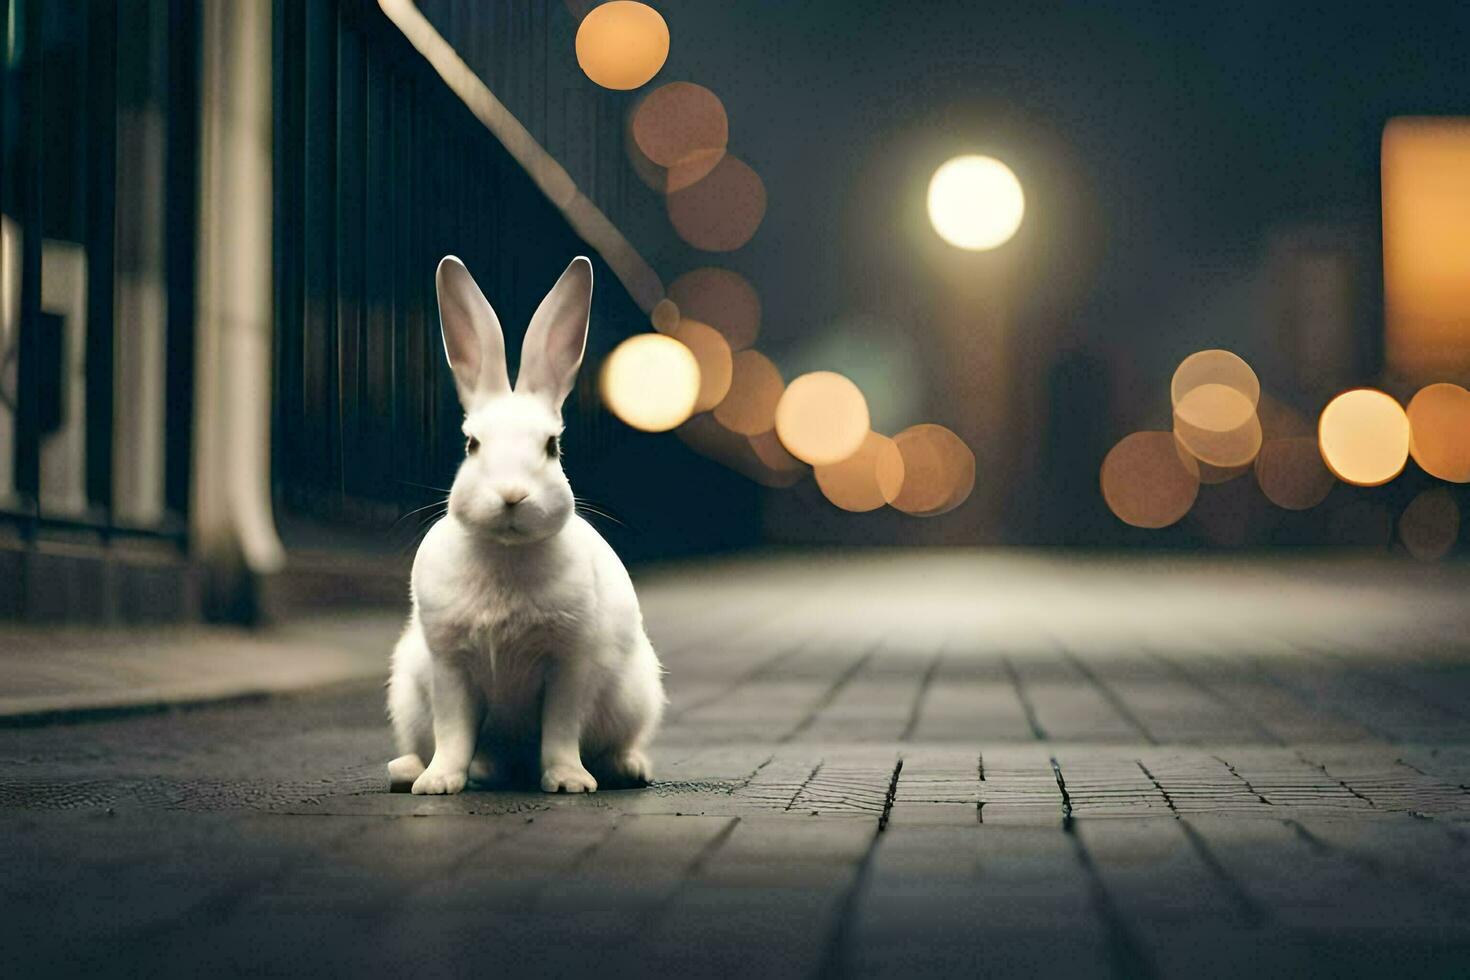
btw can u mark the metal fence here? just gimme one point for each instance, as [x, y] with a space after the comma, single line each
[98, 157]
[379, 172]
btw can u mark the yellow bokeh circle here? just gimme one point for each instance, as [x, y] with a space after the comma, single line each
[822, 418]
[1364, 436]
[651, 382]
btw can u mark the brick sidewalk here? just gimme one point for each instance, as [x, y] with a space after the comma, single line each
[888, 765]
[65, 673]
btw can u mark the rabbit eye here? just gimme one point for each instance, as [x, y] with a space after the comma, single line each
[553, 447]
[471, 445]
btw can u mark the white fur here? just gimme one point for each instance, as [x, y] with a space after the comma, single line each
[526, 644]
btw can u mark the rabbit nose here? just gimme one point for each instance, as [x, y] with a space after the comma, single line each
[513, 495]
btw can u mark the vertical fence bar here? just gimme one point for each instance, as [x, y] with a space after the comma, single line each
[141, 313]
[101, 244]
[288, 70]
[181, 217]
[316, 444]
[30, 152]
[8, 322]
[380, 482]
[348, 283]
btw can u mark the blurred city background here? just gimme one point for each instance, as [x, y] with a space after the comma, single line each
[875, 275]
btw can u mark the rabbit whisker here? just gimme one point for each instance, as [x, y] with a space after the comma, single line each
[434, 510]
[420, 510]
[413, 536]
[587, 509]
[588, 502]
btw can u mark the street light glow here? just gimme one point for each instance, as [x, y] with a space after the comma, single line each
[976, 202]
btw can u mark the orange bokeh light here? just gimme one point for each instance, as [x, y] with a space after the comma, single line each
[1215, 407]
[1147, 482]
[715, 362]
[822, 418]
[694, 168]
[723, 299]
[938, 470]
[1364, 437]
[1439, 431]
[1220, 368]
[866, 480]
[720, 212]
[1291, 473]
[622, 44]
[680, 123]
[1215, 394]
[1225, 449]
[749, 407]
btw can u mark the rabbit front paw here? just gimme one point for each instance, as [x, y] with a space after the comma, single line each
[437, 782]
[634, 769]
[567, 778]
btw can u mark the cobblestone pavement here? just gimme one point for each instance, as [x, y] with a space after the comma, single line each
[885, 765]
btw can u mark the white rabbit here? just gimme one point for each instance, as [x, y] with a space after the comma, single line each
[525, 646]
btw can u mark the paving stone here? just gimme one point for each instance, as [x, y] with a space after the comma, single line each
[940, 899]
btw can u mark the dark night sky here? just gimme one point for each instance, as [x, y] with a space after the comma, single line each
[1159, 143]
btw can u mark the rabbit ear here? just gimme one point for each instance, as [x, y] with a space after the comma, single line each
[473, 341]
[557, 336]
